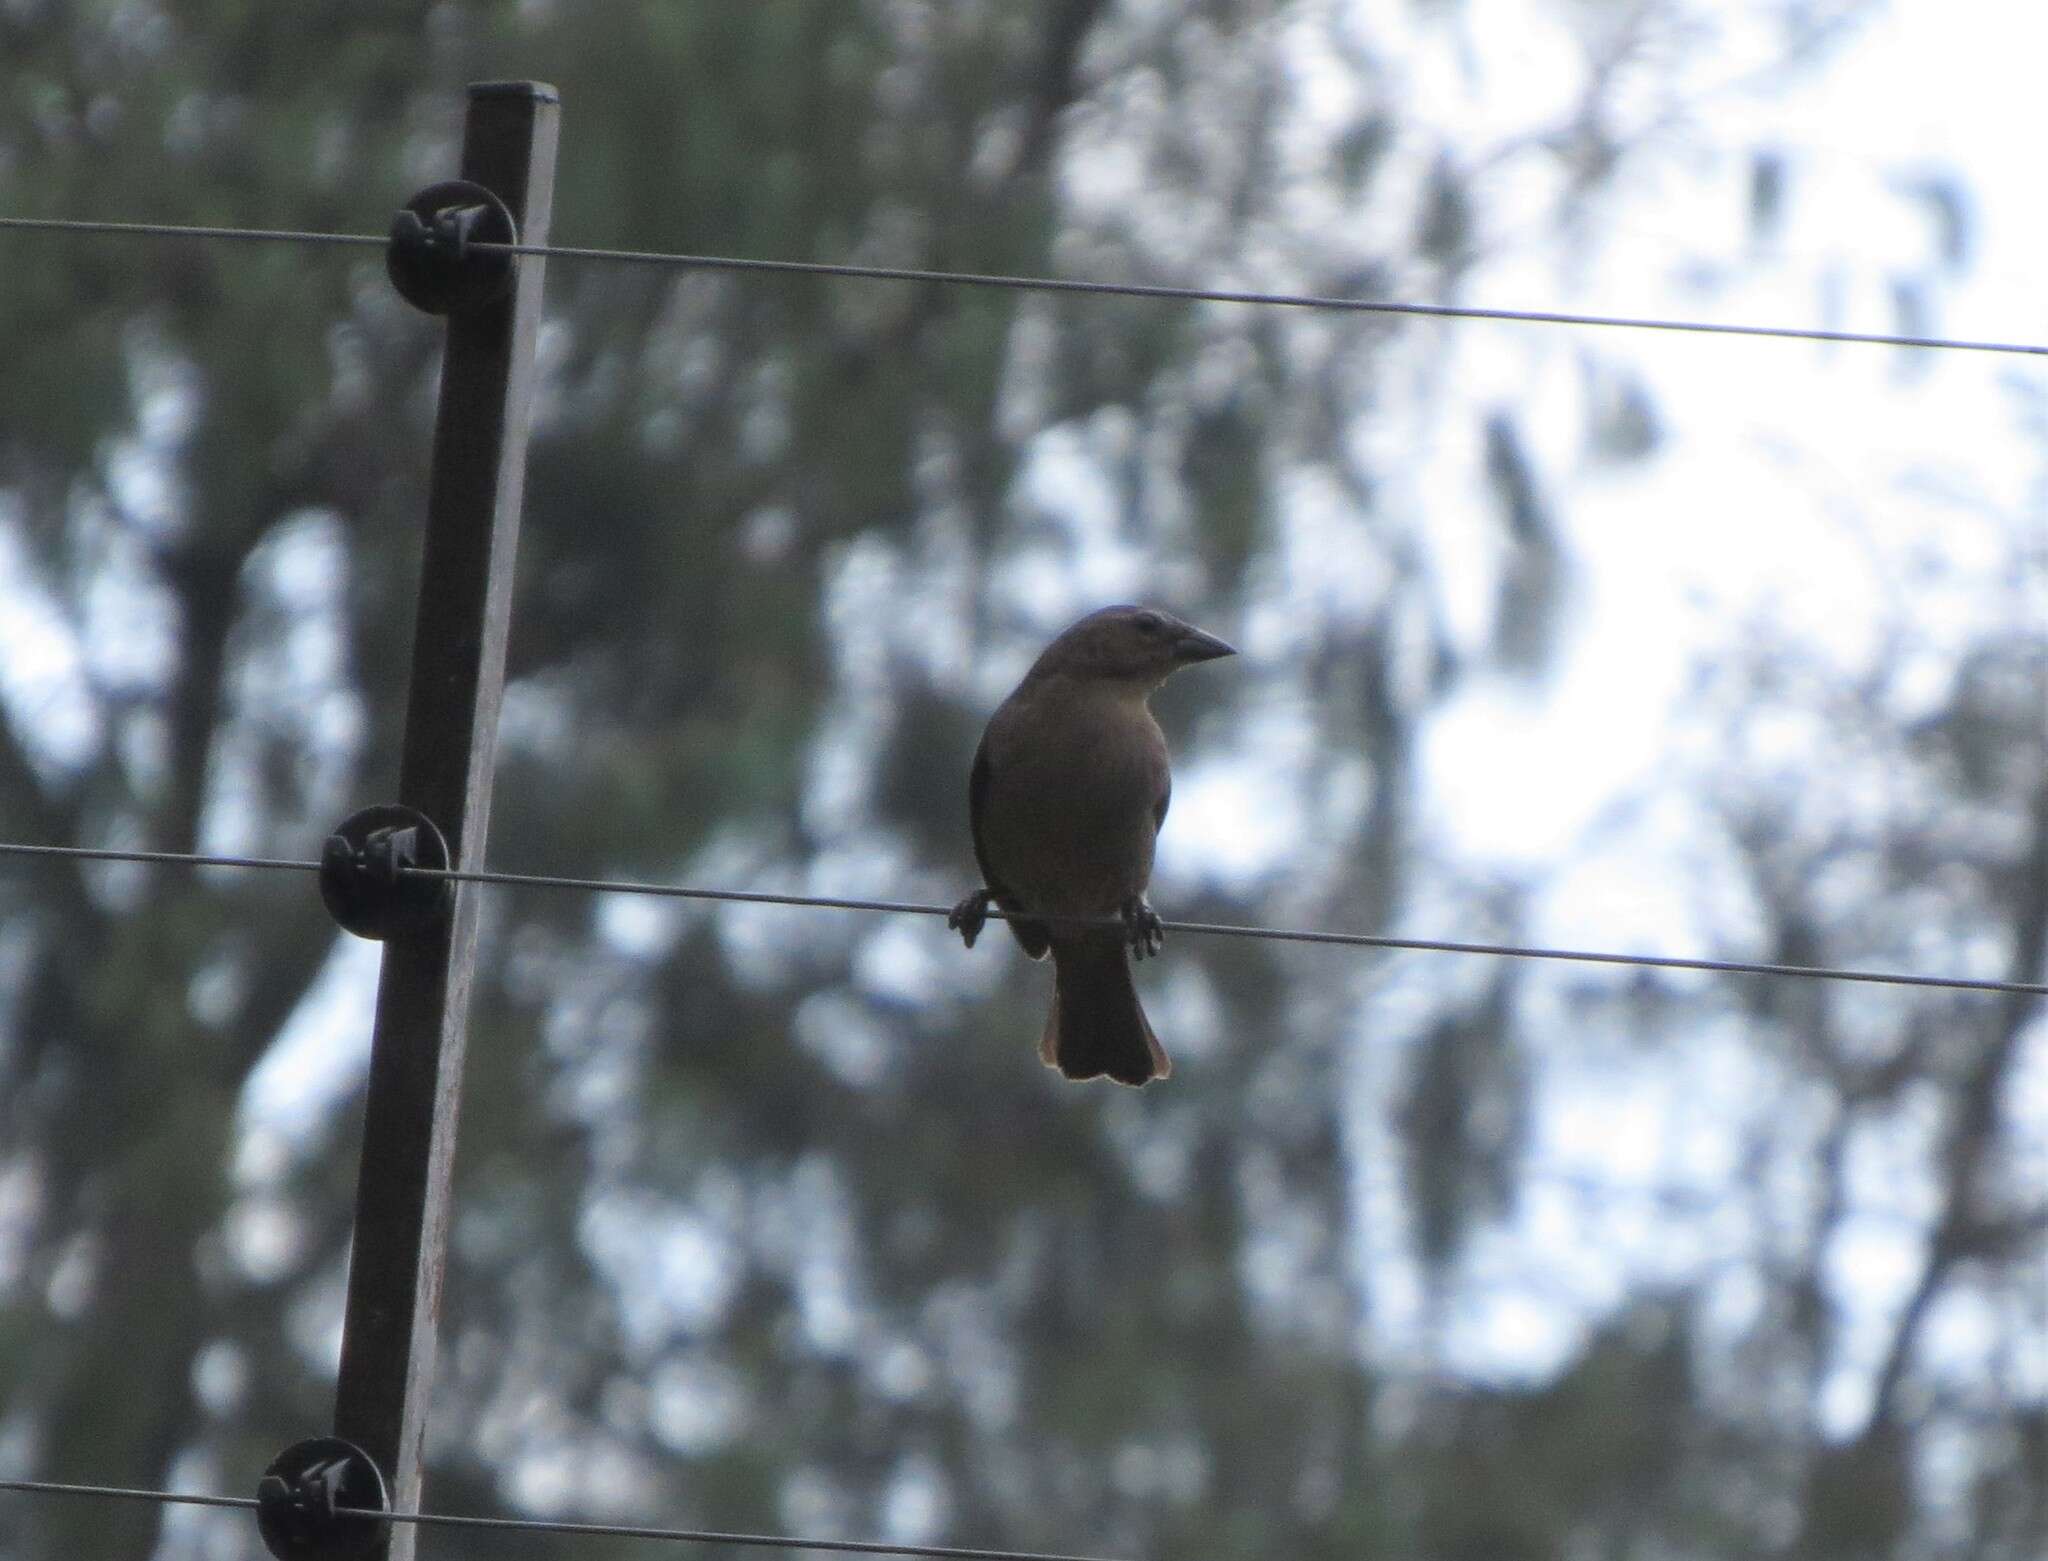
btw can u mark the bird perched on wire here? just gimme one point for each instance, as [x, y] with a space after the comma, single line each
[1069, 788]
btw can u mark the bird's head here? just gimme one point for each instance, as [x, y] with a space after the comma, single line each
[1126, 644]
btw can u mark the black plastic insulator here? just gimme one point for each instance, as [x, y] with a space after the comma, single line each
[432, 257]
[311, 1500]
[363, 878]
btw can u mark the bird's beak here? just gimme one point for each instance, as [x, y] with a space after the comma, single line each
[1195, 646]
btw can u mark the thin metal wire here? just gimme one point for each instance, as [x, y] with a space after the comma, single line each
[871, 1547]
[182, 230]
[123, 1493]
[1363, 940]
[158, 858]
[1229, 295]
[1046, 284]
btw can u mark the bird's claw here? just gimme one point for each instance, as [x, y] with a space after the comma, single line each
[970, 915]
[1142, 927]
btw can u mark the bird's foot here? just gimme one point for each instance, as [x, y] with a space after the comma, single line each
[1142, 927]
[971, 915]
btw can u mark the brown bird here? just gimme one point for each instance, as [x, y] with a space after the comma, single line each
[1069, 788]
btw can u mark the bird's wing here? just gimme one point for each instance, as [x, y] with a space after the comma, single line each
[1165, 798]
[1033, 935]
[977, 801]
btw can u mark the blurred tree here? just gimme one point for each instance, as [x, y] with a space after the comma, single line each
[770, 1219]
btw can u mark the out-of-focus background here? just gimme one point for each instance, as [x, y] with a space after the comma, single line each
[769, 1218]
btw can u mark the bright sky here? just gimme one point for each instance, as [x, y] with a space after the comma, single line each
[1784, 480]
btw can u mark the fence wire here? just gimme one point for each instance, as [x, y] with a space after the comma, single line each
[1048, 284]
[1362, 940]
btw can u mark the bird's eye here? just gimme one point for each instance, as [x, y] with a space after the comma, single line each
[1148, 623]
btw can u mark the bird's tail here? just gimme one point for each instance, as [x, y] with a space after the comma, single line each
[1096, 1026]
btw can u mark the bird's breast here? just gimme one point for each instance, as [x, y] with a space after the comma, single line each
[1074, 785]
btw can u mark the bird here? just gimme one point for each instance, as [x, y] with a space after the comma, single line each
[1069, 788]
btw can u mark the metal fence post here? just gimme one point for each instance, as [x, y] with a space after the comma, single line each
[451, 726]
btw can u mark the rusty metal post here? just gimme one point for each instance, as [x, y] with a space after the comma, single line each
[451, 727]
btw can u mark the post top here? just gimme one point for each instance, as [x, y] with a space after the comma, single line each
[539, 91]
